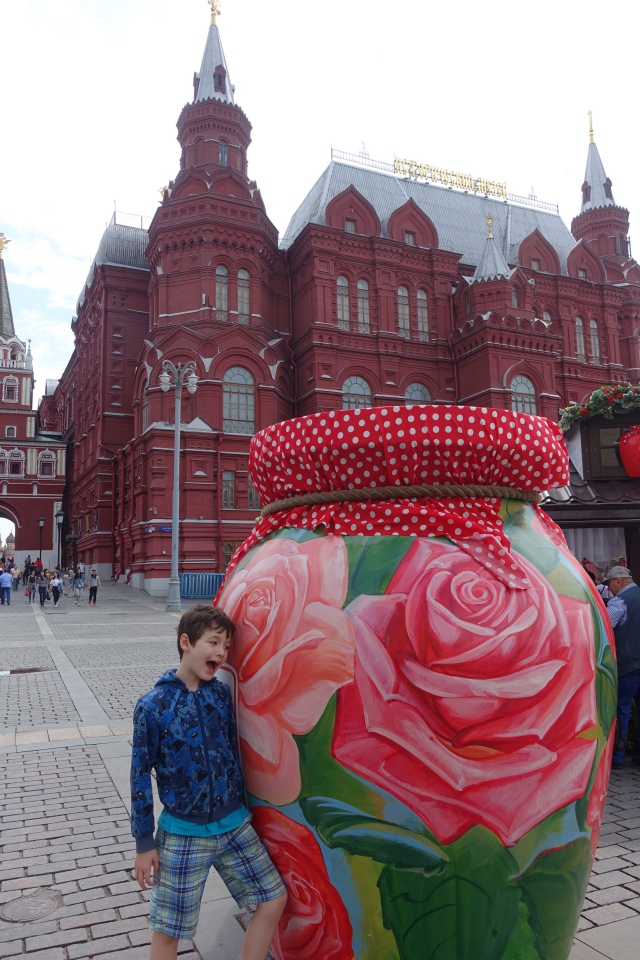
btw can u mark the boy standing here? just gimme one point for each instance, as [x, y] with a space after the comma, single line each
[185, 729]
[94, 583]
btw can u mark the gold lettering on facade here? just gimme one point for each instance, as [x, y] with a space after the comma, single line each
[449, 178]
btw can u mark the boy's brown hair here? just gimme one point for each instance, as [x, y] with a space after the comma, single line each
[195, 621]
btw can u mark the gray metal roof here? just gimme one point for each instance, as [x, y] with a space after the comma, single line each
[596, 177]
[6, 316]
[492, 263]
[213, 57]
[121, 246]
[460, 218]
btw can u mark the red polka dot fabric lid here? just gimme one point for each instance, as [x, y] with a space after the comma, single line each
[398, 446]
[408, 446]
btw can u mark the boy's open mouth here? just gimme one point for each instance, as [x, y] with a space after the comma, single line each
[211, 666]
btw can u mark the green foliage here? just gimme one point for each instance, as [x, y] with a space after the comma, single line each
[603, 402]
[521, 943]
[539, 551]
[373, 562]
[344, 826]
[553, 890]
[466, 912]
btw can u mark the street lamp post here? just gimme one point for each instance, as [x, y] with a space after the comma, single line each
[180, 374]
[41, 525]
[59, 520]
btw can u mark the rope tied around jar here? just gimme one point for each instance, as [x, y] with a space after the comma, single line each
[367, 494]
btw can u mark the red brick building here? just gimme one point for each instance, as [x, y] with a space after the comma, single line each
[32, 462]
[392, 284]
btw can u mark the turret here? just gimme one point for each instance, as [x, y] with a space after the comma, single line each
[212, 129]
[601, 221]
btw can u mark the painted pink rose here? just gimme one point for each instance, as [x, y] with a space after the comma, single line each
[470, 698]
[293, 649]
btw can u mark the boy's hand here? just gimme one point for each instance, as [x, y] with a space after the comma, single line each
[145, 863]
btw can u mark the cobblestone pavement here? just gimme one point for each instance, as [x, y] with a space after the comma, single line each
[65, 845]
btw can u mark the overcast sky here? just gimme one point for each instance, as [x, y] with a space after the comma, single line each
[92, 90]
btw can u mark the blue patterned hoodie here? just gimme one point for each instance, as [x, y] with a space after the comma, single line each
[189, 738]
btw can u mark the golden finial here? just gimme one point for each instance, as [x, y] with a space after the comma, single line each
[215, 10]
[591, 137]
[4, 243]
[490, 226]
[163, 191]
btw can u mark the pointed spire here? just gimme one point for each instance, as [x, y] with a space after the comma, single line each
[6, 317]
[492, 263]
[596, 189]
[213, 81]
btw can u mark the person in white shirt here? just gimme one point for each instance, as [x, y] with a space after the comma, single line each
[56, 587]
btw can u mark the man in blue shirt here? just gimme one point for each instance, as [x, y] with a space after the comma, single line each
[6, 581]
[624, 613]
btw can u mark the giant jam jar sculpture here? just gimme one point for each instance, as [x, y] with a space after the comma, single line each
[426, 687]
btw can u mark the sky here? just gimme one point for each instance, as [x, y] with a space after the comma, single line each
[92, 90]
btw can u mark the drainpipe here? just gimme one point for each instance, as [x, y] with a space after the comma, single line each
[293, 362]
[114, 461]
[218, 440]
[453, 357]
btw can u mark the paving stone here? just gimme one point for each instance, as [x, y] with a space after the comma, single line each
[609, 895]
[86, 919]
[106, 945]
[612, 879]
[60, 939]
[119, 926]
[609, 914]
[613, 863]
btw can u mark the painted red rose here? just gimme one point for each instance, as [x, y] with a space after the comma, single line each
[470, 698]
[315, 924]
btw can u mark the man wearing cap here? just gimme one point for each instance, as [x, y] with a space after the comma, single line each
[624, 612]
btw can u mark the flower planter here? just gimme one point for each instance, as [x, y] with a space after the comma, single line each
[425, 687]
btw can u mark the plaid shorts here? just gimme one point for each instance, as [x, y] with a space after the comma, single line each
[238, 856]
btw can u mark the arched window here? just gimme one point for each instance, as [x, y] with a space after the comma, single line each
[523, 395]
[423, 315]
[356, 394]
[595, 341]
[515, 297]
[46, 464]
[363, 307]
[343, 303]
[224, 148]
[244, 312]
[546, 316]
[238, 401]
[417, 393]
[16, 463]
[10, 389]
[10, 432]
[403, 312]
[580, 350]
[222, 293]
[145, 406]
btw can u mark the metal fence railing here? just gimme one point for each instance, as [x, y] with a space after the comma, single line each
[195, 585]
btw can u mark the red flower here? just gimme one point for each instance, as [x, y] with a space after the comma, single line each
[315, 924]
[611, 399]
[598, 796]
[584, 411]
[470, 698]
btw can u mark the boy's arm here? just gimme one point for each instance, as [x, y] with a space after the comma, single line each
[143, 758]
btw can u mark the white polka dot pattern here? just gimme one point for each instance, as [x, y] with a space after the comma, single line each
[408, 445]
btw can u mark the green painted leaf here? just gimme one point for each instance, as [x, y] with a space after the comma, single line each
[565, 582]
[606, 689]
[556, 830]
[372, 563]
[299, 534]
[342, 825]
[521, 944]
[467, 912]
[553, 889]
[539, 551]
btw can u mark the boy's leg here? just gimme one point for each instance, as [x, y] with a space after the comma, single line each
[262, 928]
[163, 947]
[247, 870]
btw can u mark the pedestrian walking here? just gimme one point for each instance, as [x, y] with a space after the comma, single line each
[31, 586]
[624, 613]
[78, 586]
[6, 582]
[15, 573]
[56, 587]
[43, 583]
[94, 583]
